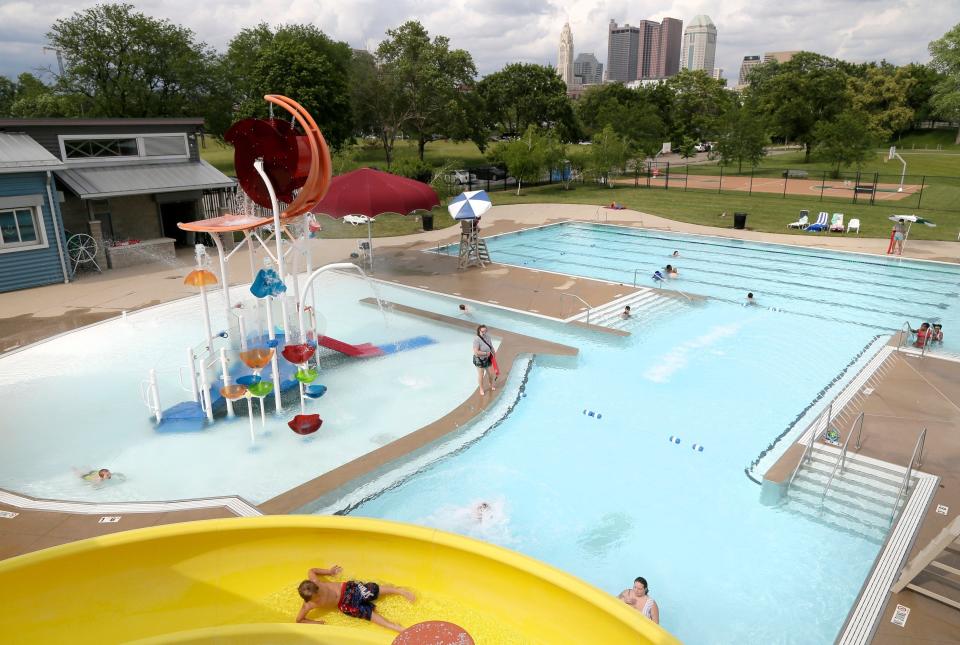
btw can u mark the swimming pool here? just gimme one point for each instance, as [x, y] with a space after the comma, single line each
[613, 497]
[72, 404]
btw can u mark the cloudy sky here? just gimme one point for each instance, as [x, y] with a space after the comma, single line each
[496, 32]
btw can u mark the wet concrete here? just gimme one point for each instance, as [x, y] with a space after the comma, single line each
[17, 331]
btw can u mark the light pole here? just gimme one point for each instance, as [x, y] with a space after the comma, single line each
[59, 57]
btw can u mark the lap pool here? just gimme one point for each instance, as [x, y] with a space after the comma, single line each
[613, 497]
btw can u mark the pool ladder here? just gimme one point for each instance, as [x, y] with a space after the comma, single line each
[150, 394]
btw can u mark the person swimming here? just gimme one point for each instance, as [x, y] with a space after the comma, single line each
[625, 313]
[750, 299]
[672, 271]
[97, 476]
[480, 511]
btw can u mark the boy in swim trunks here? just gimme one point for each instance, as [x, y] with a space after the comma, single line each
[351, 598]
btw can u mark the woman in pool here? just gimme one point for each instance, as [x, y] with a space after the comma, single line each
[483, 357]
[637, 598]
[672, 271]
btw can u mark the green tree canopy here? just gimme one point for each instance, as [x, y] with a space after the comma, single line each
[798, 95]
[699, 102]
[920, 91]
[881, 92]
[946, 60]
[846, 139]
[523, 94]
[127, 64]
[298, 61]
[608, 152]
[524, 156]
[743, 136]
[379, 108]
[630, 113]
[430, 78]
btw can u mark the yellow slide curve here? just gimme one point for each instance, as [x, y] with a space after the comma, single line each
[234, 581]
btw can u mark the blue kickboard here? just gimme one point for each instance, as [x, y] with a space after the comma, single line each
[407, 344]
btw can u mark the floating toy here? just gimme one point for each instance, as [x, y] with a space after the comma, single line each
[675, 440]
[267, 283]
[697, 447]
[305, 424]
[591, 413]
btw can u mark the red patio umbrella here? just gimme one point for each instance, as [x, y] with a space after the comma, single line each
[371, 192]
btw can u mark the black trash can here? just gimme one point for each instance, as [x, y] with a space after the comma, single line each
[427, 219]
[739, 220]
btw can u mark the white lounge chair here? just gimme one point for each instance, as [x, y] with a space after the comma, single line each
[802, 222]
[854, 223]
[820, 224]
[836, 223]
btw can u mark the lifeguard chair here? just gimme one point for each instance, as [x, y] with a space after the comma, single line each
[473, 249]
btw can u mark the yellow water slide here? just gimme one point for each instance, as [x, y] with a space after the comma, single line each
[234, 581]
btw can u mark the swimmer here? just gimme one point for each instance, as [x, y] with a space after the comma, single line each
[626, 312]
[97, 476]
[750, 299]
[672, 271]
[676, 254]
[480, 511]
[937, 333]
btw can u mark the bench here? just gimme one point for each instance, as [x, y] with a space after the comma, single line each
[795, 174]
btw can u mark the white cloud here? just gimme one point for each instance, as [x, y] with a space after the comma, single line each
[501, 31]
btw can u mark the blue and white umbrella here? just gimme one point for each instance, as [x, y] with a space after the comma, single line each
[470, 205]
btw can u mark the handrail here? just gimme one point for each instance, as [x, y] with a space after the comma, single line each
[809, 448]
[635, 272]
[841, 462]
[918, 457]
[905, 327]
[573, 295]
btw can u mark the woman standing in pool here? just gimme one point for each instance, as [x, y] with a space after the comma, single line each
[637, 598]
[483, 357]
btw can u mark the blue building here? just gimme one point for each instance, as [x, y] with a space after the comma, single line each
[32, 242]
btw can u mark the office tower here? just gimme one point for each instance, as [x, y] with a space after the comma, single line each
[671, 35]
[700, 45]
[749, 62]
[780, 57]
[648, 49]
[565, 55]
[717, 73]
[622, 44]
[587, 70]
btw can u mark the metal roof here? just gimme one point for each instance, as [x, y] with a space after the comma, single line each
[20, 153]
[99, 182]
[19, 123]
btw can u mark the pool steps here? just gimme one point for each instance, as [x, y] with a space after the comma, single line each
[645, 304]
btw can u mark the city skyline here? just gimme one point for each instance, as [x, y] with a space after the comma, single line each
[523, 31]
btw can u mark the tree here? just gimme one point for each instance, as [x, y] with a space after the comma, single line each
[298, 61]
[846, 139]
[688, 148]
[524, 157]
[881, 92]
[743, 136]
[629, 112]
[699, 102]
[429, 77]
[523, 94]
[798, 95]
[920, 91]
[377, 102]
[555, 156]
[8, 94]
[32, 98]
[474, 122]
[946, 60]
[127, 64]
[607, 152]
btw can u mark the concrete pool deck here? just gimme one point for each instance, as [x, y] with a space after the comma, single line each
[28, 316]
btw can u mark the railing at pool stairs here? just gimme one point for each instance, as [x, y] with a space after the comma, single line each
[846, 491]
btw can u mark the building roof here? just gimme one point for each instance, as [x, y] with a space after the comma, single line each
[20, 153]
[701, 20]
[22, 123]
[100, 182]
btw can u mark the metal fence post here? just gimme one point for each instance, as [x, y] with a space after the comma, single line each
[666, 178]
[720, 187]
[856, 186]
[923, 182]
[823, 183]
[873, 193]
[750, 188]
[786, 178]
[686, 175]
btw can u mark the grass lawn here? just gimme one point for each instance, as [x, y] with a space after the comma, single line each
[765, 213]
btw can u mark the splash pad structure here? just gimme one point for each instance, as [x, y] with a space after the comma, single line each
[283, 169]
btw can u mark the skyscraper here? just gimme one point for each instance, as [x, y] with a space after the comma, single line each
[565, 55]
[780, 57]
[671, 35]
[587, 70]
[622, 44]
[700, 45]
[749, 62]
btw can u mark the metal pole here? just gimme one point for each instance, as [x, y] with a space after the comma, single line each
[666, 178]
[923, 183]
[224, 279]
[272, 335]
[750, 189]
[226, 379]
[873, 193]
[250, 416]
[720, 187]
[199, 251]
[205, 402]
[191, 363]
[277, 233]
[243, 333]
[823, 183]
[786, 178]
[155, 395]
[370, 244]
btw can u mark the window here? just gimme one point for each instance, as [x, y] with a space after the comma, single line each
[19, 227]
[99, 148]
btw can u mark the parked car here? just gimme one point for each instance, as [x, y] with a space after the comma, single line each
[703, 146]
[461, 177]
[491, 173]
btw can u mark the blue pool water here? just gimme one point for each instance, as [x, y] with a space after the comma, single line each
[612, 498]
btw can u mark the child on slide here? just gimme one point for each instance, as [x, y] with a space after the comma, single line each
[351, 598]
